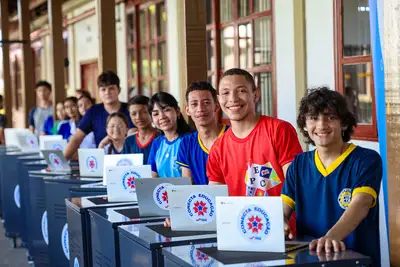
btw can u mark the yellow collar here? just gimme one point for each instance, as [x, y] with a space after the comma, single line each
[219, 135]
[335, 164]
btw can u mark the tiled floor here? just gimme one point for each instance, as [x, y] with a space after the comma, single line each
[10, 257]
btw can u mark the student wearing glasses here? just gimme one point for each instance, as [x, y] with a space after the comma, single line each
[117, 129]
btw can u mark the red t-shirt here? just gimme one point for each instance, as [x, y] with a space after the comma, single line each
[252, 166]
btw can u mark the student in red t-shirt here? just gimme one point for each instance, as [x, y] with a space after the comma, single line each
[252, 157]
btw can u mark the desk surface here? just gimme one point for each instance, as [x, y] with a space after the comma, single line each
[193, 255]
[101, 201]
[149, 238]
[119, 215]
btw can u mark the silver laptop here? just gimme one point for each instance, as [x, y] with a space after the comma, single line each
[152, 195]
[28, 143]
[91, 162]
[193, 208]
[55, 144]
[56, 161]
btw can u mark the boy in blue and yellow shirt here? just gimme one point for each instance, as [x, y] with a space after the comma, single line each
[334, 189]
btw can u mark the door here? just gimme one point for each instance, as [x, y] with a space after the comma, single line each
[89, 73]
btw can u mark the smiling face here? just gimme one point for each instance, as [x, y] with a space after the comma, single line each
[325, 130]
[71, 109]
[109, 94]
[202, 108]
[84, 104]
[237, 98]
[165, 118]
[140, 116]
[116, 129]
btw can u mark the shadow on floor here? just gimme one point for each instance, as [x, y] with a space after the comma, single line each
[10, 257]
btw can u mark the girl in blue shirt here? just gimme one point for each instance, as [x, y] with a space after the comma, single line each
[167, 117]
[117, 129]
[68, 128]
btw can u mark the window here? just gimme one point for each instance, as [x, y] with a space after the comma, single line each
[239, 34]
[354, 74]
[147, 48]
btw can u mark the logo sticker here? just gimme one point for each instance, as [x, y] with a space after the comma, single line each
[200, 259]
[76, 262]
[344, 198]
[31, 141]
[57, 147]
[45, 231]
[91, 164]
[254, 223]
[200, 208]
[260, 179]
[17, 196]
[65, 241]
[55, 161]
[160, 195]
[124, 162]
[128, 181]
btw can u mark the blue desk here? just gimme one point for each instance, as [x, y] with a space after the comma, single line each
[3, 151]
[79, 223]
[83, 190]
[56, 191]
[141, 245]
[104, 224]
[11, 204]
[207, 255]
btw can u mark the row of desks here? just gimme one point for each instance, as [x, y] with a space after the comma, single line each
[65, 220]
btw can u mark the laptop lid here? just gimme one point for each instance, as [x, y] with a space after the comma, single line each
[121, 160]
[121, 181]
[55, 145]
[91, 162]
[28, 142]
[192, 207]
[250, 224]
[56, 161]
[152, 194]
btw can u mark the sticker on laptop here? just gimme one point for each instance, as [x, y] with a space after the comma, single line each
[57, 147]
[200, 208]
[128, 181]
[254, 223]
[92, 164]
[31, 141]
[124, 162]
[160, 195]
[55, 161]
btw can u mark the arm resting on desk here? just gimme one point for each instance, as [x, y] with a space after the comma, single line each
[74, 143]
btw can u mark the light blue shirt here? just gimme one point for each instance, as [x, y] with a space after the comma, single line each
[163, 156]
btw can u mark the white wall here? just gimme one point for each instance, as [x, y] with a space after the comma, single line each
[285, 60]
[120, 28]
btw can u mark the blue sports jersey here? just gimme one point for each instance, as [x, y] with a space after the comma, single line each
[163, 155]
[95, 121]
[320, 196]
[193, 155]
[132, 146]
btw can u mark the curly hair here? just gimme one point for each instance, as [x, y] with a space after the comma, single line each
[320, 99]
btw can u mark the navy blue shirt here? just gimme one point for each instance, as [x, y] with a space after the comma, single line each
[132, 146]
[95, 121]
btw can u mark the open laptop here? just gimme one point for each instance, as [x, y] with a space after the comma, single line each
[121, 181]
[121, 160]
[28, 142]
[55, 145]
[56, 161]
[152, 194]
[192, 207]
[91, 162]
[252, 224]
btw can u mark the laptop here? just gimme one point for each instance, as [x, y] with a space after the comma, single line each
[11, 135]
[56, 161]
[152, 194]
[192, 207]
[121, 160]
[91, 162]
[121, 181]
[55, 145]
[252, 224]
[28, 142]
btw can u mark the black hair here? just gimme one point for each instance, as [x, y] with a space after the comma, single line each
[201, 86]
[163, 100]
[320, 99]
[87, 95]
[123, 118]
[241, 72]
[107, 78]
[1, 98]
[139, 100]
[44, 84]
[72, 99]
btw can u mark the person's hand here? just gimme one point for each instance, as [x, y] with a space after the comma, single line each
[106, 140]
[167, 222]
[288, 232]
[327, 244]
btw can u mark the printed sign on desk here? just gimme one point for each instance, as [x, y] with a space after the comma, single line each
[121, 184]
